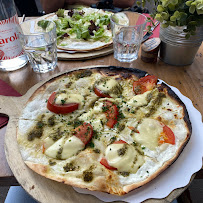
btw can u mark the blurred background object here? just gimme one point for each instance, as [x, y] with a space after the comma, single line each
[40, 7]
[29, 7]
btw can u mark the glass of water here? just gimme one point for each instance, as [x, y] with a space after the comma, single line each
[39, 42]
[127, 29]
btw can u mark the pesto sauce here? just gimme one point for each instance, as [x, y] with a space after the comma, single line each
[39, 124]
[68, 84]
[87, 176]
[125, 174]
[52, 163]
[102, 80]
[51, 121]
[56, 135]
[69, 167]
[97, 151]
[113, 139]
[90, 145]
[155, 104]
[122, 151]
[117, 90]
[77, 123]
[140, 150]
[58, 155]
[149, 97]
[121, 127]
[137, 89]
[36, 132]
[84, 73]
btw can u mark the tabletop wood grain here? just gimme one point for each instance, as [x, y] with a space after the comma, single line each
[188, 79]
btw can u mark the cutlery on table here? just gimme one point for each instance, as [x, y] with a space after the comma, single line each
[150, 33]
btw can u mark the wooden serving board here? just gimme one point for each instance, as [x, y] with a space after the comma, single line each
[40, 188]
[85, 55]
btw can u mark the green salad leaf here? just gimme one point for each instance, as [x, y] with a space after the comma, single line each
[43, 24]
[64, 23]
[77, 16]
[60, 13]
[104, 20]
[78, 23]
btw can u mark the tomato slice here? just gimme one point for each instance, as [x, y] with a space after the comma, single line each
[144, 84]
[120, 142]
[84, 132]
[111, 112]
[43, 148]
[167, 136]
[60, 108]
[105, 163]
[99, 93]
[133, 129]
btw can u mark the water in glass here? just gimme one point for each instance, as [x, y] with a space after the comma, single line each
[42, 55]
[126, 50]
[127, 29]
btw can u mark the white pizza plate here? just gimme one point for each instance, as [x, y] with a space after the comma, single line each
[177, 175]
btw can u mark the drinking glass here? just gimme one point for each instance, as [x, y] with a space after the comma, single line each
[39, 42]
[127, 29]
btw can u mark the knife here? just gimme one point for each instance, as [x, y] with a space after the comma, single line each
[148, 34]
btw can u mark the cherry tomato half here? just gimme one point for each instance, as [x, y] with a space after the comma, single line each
[144, 84]
[120, 142]
[84, 132]
[105, 163]
[167, 136]
[60, 108]
[99, 93]
[111, 112]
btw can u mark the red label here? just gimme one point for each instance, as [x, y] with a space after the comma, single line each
[10, 46]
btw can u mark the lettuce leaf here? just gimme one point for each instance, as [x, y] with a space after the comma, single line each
[79, 26]
[64, 23]
[43, 24]
[60, 13]
[104, 20]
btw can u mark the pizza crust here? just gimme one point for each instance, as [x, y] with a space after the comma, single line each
[104, 180]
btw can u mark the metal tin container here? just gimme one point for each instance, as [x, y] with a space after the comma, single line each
[175, 49]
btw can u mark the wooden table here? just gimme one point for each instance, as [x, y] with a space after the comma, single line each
[188, 79]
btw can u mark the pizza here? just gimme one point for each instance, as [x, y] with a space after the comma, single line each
[83, 29]
[108, 129]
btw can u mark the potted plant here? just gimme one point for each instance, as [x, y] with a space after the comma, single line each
[181, 29]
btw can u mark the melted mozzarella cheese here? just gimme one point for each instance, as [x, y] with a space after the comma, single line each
[68, 147]
[87, 116]
[129, 161]
[69, 98]
[139, 100]
[107, 85]
[95, 116]
[48, 142]
[149, 132]
[71, 147]
[53, 150]
[98, 107]
[97, 125]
